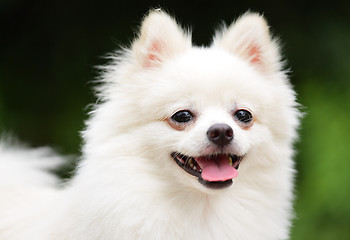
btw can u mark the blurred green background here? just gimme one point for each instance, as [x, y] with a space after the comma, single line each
[48, 50]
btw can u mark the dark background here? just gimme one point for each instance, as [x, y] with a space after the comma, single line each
[48, 51]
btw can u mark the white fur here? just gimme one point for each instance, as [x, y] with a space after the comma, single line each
[128, 186]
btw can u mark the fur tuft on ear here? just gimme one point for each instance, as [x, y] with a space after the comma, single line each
[160, 38]
[249, 39]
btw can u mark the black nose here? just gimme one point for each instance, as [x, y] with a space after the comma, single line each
[221, 134]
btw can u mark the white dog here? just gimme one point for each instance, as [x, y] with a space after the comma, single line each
[187, 143]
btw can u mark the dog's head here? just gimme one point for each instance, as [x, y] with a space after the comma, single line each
[198, 113]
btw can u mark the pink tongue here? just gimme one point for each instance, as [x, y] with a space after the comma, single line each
[216, 169]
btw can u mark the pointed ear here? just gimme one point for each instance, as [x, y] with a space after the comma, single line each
[249, 39]
[160, 38]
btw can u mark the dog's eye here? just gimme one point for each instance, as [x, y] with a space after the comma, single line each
[182, 116]
[244, 116]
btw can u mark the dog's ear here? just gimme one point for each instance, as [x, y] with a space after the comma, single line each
[249, 38]
[160, 38]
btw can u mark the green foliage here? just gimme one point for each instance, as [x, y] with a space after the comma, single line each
[323, 85]
[323, 209]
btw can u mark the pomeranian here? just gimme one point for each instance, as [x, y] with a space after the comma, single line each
[186, 143]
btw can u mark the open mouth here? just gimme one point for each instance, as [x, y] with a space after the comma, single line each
[213, 171]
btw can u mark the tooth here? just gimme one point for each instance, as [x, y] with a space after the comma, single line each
[190, 161]
[230, 161]
[194, 168]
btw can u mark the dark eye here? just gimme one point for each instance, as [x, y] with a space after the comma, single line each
[244, 116]
[182, 116]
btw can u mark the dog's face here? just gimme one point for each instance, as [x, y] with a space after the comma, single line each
[213, 120]
[208, 110]
[203, 115]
